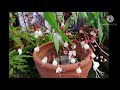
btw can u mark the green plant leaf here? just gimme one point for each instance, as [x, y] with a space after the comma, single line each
[56, 44]
[48, 38]
[67, 24]
[83, 15]
[75, 17]
[91, 20]
[11, 72]
[100, 33]
[105, 23]
[49, 16]
[96, 15]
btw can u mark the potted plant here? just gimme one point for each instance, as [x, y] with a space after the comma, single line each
[67, 54]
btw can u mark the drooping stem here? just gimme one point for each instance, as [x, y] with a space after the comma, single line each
[100, 48]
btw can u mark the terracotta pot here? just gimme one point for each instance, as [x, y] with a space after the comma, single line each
[69, 71]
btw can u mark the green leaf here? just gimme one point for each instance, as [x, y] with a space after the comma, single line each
[67, 24]
[49, 16]
[18, 41]
[48, 38]
[105, 23]
[56, 44]
[11, 72]
[100, 33]
[91, 20]
[83, 15]
[75, 17]
[24, 35]
[96, 15]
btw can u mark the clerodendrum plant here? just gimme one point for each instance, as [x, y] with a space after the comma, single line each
[93, 19]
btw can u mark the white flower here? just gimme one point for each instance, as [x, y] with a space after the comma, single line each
[72, 60]
[40, 33]
[93, 33]
[95, 65]
[44, 60]
[36, 49]
[20, 51]
[36, 32]
[58, 70]
[86, 46]
[65, 44]
[71, 53]
[47, 31]
[97, 57]
[81, 31]
[74, 53]
[83, 43]
[36, 36]
[93, 55]
[54, 63]
[78, 70]
[95, 68]
[47, 25]
[62, 24]
[74, 46]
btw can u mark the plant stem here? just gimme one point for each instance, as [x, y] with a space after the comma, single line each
[101, 48]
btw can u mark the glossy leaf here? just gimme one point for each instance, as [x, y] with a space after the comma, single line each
[83, 15]
[105, 23]
[75, 17]
[96, 15]
[49, 16]
[100, 33]
[56, 44]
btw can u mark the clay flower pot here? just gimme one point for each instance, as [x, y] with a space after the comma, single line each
[69, 70]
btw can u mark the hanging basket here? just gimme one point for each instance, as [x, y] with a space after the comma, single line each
[68, 70]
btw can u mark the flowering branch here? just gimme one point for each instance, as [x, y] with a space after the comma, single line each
[101, 49]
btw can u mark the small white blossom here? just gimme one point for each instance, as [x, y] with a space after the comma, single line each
[47, 25]
[36, 32]
[95, 65]
[20, 51]
[72, 52]
[36, 36]
[62, 24]
[73, 47]
[86, 46]
[58, 70]
[83, 43]
[93, 55]
[81, 31]
[54, 63]
[36, 49]
[65, 44]
[72, 60]
[47, 31]
[78, 70]
[93, 33]
[44, 60]
[40, 33]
